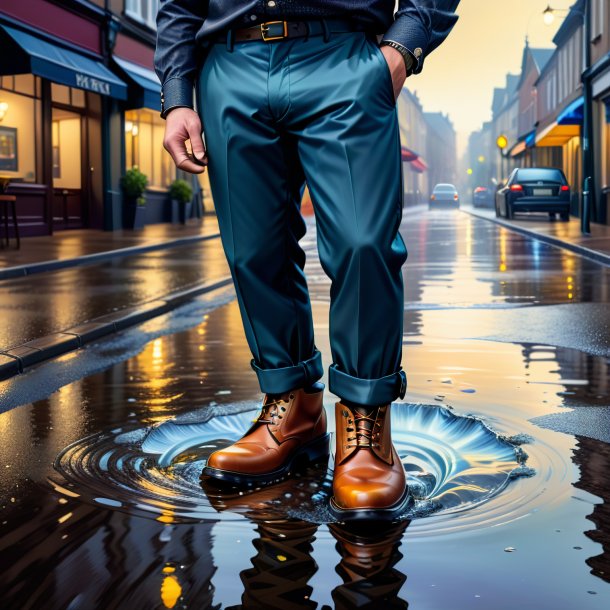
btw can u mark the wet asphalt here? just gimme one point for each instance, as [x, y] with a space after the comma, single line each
[496, 325]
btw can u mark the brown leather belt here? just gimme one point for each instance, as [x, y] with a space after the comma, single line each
[280, 30]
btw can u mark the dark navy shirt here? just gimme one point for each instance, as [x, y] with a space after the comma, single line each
[183, 25]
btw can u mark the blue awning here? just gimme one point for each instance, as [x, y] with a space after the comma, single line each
[530, 139]
[145, 89]
[572, 115]
[25, 53]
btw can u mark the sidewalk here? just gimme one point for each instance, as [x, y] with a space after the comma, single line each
[92, 283]
[87, 246]
[565, 235]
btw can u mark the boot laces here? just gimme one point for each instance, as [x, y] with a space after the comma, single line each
[364, 428]
[272, 411]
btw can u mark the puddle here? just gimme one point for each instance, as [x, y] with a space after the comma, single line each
[453, 463]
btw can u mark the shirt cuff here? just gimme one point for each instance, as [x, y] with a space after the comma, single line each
[176, 92]
[411, 34]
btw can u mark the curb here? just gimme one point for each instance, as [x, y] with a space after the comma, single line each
[89, 259]
[594, 255]
[13, 361]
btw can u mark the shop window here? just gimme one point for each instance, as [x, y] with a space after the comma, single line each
[19, 118]
[144, 131]
[70, 96]
[144, 11]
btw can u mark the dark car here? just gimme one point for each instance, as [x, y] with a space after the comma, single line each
[483, 197]
[444, 195]
[535, 189]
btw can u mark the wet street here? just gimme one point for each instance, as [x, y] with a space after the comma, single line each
[504, 433]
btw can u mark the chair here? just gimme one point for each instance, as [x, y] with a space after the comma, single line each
[5, 202]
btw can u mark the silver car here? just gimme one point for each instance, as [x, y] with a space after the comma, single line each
[444, 195]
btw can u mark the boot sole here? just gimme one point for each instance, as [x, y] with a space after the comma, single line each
[312, 452]
[389, 513]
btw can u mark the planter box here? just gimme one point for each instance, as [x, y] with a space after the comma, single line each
[134, 215]
[181, 211]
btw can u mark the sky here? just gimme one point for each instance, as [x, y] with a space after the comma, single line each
[486, 43]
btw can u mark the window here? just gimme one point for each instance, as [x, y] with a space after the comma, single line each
[20, 110]
[597, 18]
[144, 11]
[144, 131]
[534, 175]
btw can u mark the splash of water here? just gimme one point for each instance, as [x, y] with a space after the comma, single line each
[453, 463]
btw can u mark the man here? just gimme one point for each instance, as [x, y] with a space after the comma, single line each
[288, 92]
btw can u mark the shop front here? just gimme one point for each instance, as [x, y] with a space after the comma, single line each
[51, 123]
[601, 126]
[144, 129]
[558, 145]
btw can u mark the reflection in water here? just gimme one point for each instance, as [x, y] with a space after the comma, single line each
[453, 463]
[283, 564]
[367, 567]
[594, 461]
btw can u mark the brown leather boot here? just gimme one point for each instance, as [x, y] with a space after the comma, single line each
[288, 430]
[369, 480]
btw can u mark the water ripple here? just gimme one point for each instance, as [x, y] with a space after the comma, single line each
[454, 463]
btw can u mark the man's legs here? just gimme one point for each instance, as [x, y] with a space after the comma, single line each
[256, 177]
[344, 115]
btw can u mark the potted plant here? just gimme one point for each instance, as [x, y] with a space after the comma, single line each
[133, 183]
[181, 194]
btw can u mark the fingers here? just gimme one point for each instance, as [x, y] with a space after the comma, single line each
[194, 131]
[183, 124]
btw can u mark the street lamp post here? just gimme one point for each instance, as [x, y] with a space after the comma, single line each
[588, 162]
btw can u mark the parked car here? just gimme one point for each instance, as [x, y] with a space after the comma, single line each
[444, 195]
[483, 197]
[534, 189]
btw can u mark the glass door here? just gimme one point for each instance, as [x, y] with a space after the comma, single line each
[67, 169]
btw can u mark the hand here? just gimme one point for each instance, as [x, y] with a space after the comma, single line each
[182, 124]
[398, 70]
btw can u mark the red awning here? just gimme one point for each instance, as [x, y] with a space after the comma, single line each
[419, 165]
[407, 154]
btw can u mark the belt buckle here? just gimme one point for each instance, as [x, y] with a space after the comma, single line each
[265, 29]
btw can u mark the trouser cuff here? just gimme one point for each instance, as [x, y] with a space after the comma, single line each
[280, 380]
[367, 391]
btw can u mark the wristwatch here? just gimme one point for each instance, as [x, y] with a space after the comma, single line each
[406, 54]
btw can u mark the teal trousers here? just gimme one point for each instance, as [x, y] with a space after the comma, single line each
[319, 110]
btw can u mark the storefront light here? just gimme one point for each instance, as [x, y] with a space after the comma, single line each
[3, 110]
[132, 128]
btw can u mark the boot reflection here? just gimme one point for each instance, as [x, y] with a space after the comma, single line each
[369, 552]
[283, 564]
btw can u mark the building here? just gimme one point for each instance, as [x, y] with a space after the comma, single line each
[441, 149]
[599, 77]
[532, 64]
[79, 104]
[505, 115]
[413, 136]
[559, 113]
